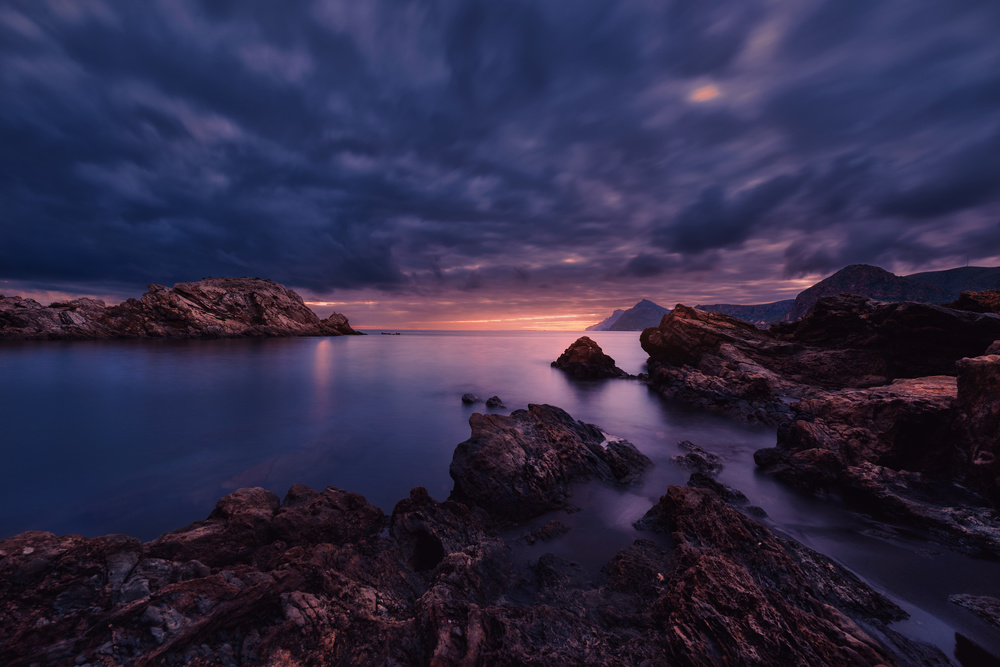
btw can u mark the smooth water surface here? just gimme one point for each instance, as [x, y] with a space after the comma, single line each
[141, 437]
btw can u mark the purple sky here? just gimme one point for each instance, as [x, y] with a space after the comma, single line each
[450, 164]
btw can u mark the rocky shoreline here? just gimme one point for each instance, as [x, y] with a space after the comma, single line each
[208, 308]
[893, 406]
[326, 578]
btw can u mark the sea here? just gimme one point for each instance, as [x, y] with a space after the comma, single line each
[144, 436]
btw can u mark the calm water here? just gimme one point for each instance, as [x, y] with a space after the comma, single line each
[140, 437]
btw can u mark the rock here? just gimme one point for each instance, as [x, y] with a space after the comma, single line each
[733, 590]
[209, 308]
[986, 301]
[978, 407]
[585, 360]
[950, 513]
[494, 402]
[727, 493]
[983, 605]
[520, 466]
[697, 459]
[470, 399]
[718, 361]
[549, 531]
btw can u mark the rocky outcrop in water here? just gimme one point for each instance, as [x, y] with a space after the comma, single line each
[520, 466]
[585, 360]
[878, 402]
[209, 308]
[326, 578]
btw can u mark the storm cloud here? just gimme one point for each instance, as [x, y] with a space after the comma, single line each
[434, 146]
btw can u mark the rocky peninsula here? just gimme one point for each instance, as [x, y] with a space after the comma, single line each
[892, 406]
[325, 577]
[208, 308]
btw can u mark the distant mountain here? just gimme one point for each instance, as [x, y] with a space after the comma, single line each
[872, 282]
[641, 316]
[962, 279]
[861, 279]
[761, 314]
[605, 324]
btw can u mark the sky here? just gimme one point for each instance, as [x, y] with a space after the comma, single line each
[504, 165]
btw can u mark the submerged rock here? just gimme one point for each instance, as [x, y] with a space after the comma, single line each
[520, 466]
[585, 360]
[470, 399]
[209, 308]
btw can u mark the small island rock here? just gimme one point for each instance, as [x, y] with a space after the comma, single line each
[585, 360]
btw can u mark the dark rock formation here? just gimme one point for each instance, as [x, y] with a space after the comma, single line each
[978, 421]
[470, 399]
[521, 466]
[718, 361]
[697, 459]
[585, 359]
[325, 578]
[983, 605]
[987, 301]
[440, 588]
[733, 590]
[494, 402]
[209, 308]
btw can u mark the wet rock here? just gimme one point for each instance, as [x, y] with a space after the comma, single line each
[520, 466]
[585, 360]
[983, 605]
[702, 480]
[697, 459]
[735, 591]
[549, 531]
[494, 402]
[209, 308]
[470, 399]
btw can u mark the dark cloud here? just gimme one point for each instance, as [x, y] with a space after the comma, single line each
[718, 221]
[463, 144]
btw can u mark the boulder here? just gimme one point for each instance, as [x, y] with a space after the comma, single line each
[986, 301]
[520, 466]
[494, 402]
[585, 360]
[978, 407]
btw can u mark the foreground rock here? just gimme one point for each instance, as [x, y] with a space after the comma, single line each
[209, 308]
[521, 466]
[585, 360]
[324, 578]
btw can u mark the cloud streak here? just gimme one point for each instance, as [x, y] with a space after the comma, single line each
[453, 149]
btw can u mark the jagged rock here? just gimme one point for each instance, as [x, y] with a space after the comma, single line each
[520, 466]
[983, 605]
[470, 399]
[585, 359]
[697, 459]
[718, 361]
[978, 406]
[986, 301]
[729, 494]
[733, 590]
[209, 308]
[494, 402]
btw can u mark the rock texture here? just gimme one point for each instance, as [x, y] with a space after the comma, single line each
[585, 360]
[521, 466]
[209, 308]
[719, 361]
[324, 578]
[987, 301]
[887, 404]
